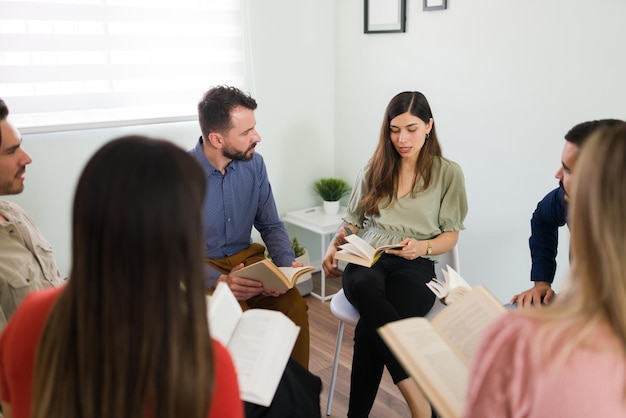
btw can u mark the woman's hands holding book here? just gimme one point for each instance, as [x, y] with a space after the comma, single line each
[411, 249]
[329, 263]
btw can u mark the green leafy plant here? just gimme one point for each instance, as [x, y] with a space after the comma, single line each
[331, 189]
[297, 247]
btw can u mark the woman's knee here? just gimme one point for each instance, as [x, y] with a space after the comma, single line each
[359, 284]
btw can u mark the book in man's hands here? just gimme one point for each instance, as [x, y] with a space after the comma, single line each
[272, 277]
[259, 341]
[451, 288]
[437, 354]
[358, 251]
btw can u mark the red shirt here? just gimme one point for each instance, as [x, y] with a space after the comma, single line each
[18, 345]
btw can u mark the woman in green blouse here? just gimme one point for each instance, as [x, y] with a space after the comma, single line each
[407, 193]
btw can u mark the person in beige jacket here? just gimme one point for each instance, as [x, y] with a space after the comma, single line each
[26, 259]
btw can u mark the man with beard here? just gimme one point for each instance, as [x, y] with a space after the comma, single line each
[550, 214]
[238, 181]
[26, 260]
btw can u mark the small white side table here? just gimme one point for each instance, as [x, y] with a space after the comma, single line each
[317, 221]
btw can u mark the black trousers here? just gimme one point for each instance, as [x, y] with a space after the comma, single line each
[394, 288]
[297, 396]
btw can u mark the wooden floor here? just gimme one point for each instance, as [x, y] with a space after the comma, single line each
[323, 325]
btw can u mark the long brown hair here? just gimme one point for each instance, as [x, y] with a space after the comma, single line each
[384, 166]
[129, 334]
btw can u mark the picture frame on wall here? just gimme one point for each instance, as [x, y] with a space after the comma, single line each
[385, 16]
[435, 4]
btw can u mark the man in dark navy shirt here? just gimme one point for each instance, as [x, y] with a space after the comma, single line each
[550, 214]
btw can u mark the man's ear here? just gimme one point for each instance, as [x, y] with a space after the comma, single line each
[215, 139]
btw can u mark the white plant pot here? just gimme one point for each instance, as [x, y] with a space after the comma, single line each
[305, 282]
[331, 208]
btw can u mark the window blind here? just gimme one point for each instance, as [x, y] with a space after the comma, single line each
[73, 64]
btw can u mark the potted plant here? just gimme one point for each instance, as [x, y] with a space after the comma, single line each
[297, 248]
[305, 282]
[331, 190]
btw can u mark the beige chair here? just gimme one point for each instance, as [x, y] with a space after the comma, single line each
[346, 313]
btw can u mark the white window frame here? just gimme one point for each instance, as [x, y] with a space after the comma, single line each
[78, 64]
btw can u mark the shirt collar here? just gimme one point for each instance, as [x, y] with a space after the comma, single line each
[204, 161]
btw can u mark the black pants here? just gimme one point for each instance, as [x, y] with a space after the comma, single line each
[297, 396]
[394, 288]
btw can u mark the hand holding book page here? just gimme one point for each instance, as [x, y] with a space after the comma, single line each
[259, 341]
[437, 354]
[273, 278]
[451, 288]
[358, 251]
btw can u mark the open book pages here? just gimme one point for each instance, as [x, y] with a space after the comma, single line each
[358, 251]
[272, 277]
[437, 354]
[224, 313]
[451, 288]
[259, 341]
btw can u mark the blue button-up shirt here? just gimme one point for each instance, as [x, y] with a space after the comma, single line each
[235, 202]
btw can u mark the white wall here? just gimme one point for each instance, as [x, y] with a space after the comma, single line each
[505, 80]
[292, 78]
[58, 160]
[292, 70]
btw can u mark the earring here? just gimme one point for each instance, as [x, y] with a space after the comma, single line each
[427, 135]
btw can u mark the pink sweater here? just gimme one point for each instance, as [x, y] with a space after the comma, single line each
[509, 378]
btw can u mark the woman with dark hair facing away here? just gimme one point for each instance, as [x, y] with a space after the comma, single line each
[569, 359]
[128, 335]
[409, 194]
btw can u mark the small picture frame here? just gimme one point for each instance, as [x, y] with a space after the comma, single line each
[435, 4]
[385, 16]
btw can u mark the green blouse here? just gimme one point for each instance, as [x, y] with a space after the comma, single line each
[421, 215]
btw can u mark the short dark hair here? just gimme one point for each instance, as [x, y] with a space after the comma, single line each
[4, 112]
[579, 133]
[215, 107]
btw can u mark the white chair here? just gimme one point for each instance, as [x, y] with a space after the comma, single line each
[346, 313]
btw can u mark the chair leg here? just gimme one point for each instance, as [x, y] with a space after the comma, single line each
[333, 377]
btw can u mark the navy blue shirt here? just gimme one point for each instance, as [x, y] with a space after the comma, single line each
[235, 202]
[550, 214]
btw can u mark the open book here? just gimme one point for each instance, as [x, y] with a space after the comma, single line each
[272, 277]
[437, 354]
[358, 251]
[259, 341]
[451, 288]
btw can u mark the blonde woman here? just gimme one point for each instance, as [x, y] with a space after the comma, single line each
[569, 359]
